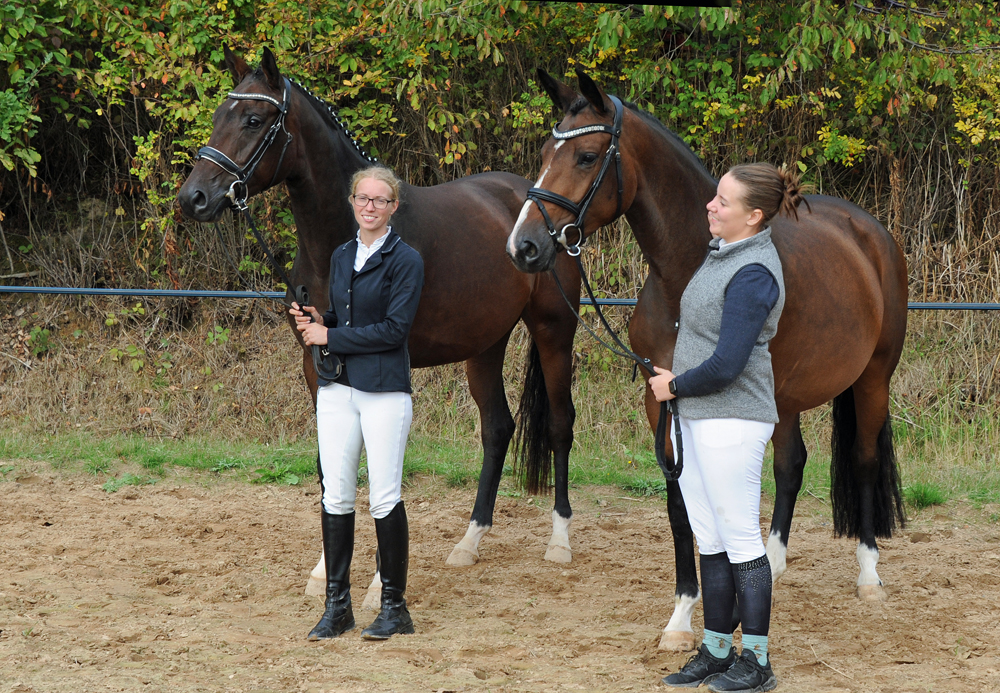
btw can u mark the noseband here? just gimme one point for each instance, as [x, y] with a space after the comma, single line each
[538, 195]
[239, 190]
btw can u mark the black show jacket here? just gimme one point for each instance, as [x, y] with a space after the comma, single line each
[371, 312]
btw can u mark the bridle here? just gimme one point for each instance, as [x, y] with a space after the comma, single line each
[671, 472]
[239, 190]
[538, 195]
[327, 364]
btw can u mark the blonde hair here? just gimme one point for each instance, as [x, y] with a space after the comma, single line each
[770, 189]
[379, 173]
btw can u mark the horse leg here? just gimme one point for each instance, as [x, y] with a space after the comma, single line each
[866, 492]
[316, 585]
[373, 597]
[678, 636]
[556, 357]
[881, 495]
[485, 374]
[789, 462]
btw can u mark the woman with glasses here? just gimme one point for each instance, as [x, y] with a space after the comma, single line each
[375, 284]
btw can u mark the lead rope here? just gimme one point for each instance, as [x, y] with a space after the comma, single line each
[671, 470]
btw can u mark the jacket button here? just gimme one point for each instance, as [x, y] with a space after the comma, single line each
[348, 305]
[348, 322]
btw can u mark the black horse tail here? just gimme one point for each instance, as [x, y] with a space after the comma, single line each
[532, 447]
[845, 488]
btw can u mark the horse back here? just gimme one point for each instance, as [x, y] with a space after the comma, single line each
[473, 295]
[845, 300]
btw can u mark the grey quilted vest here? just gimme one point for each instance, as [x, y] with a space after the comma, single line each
[751, 395]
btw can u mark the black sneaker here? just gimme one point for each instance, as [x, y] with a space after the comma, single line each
[745, 676]
[701, 668]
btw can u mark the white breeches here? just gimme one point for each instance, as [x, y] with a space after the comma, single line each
[721, 484]
[346, 418]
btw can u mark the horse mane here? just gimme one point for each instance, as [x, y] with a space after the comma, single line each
[683, 147]
[329, 115]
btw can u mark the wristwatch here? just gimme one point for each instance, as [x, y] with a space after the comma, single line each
[672, 387]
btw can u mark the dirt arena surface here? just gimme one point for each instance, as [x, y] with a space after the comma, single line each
[197, 585]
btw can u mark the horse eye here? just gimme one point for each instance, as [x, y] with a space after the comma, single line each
[587, 158]
[254, 122]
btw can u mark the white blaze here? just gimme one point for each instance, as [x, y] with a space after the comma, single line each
[527, 205]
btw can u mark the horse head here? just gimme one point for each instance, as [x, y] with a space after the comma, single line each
[587, 183]
[248, 141]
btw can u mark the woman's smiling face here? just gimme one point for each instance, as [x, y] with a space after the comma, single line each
[371, 219]
[728, 217]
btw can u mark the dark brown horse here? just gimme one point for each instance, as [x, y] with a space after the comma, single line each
[472, 296]
[840, 336]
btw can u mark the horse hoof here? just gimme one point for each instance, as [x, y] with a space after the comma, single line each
[316, 587]
[872, 593]
[373, 599]
[462, 557]
[559, 554]
[676, 641]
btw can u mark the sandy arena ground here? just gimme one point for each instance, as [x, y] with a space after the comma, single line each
[198, 586]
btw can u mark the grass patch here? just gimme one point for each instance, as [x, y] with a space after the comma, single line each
[113, 485]
[282, 475]
[922, 496]
[97, 467]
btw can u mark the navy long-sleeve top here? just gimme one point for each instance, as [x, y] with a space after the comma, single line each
[750, 296]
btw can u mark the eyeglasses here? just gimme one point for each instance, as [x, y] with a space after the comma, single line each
[361, 201]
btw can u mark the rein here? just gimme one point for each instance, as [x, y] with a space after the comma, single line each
[327, 364]
[671, 471]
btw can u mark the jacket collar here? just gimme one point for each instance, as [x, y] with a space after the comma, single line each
[760, 238]
[347, 258]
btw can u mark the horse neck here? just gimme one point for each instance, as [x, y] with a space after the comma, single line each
[319, 183]
[668, 216]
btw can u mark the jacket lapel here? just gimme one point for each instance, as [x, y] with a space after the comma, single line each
[376, 259]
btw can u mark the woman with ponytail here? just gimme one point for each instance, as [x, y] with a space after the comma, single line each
[724, 385]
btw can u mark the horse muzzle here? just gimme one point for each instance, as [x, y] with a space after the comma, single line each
[531, 254]
[200, 203]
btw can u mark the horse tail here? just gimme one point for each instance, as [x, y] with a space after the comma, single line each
[532, 447]
[845, 491]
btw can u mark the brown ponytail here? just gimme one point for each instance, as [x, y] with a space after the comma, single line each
[770, 189]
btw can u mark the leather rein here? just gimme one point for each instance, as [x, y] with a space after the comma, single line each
[327, 364]
[671, 469]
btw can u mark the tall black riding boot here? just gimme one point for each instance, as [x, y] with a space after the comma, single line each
[393, 535]
[338, 545]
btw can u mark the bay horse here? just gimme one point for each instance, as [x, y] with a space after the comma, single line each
[472, 296]
[840, 335]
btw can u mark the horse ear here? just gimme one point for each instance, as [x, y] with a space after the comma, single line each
[270, 67]
[593, 93]
[238, 67]
[561, 94]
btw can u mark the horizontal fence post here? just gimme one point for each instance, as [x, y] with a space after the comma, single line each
[278, 295]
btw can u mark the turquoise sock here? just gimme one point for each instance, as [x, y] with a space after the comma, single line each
[718, 644]
[758, 645]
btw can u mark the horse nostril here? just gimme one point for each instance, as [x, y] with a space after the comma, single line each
[198, 200]
[528, 249]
